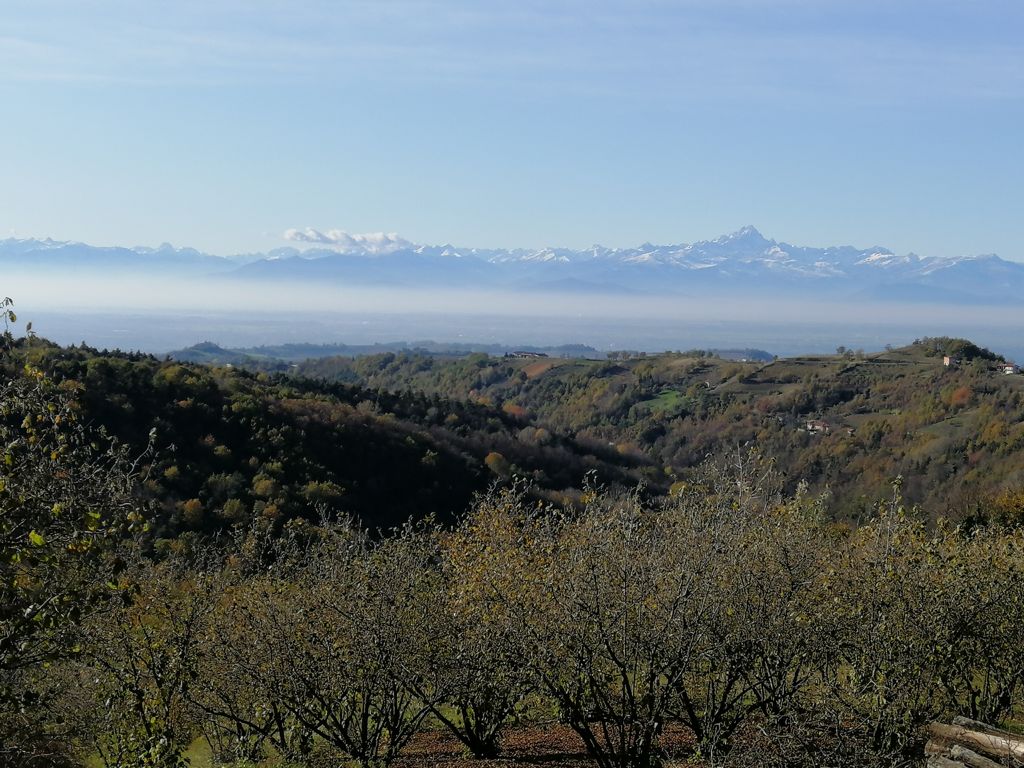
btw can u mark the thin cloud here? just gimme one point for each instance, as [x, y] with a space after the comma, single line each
[374, 243]
[802, 50]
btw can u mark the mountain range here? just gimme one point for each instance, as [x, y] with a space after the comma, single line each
[742, 263]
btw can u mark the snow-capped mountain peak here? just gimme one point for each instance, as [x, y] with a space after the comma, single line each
[749, 234]
[744, 261]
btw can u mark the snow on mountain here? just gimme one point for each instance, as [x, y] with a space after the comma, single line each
[743, 262]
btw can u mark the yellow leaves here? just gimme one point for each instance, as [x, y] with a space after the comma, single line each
[78, 546]
[34, 373]
[92, 521]
[193, 511]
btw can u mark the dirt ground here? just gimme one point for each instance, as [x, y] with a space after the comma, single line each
[524, 746]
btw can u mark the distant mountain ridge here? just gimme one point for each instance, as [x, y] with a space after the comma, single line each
[742, 263]
[29, 254]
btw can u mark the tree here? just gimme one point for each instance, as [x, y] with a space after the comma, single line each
[331, 631]
[65, 494]
[471, 672]
[753, 645]
[890, 633]
[233, 698]
[140, 659]
[604, 607]
[982, 620]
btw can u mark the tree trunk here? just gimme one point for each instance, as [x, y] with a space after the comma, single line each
[977, 725]
[998, 747]
[971, 759]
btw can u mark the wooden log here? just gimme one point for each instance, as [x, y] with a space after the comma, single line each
[996, 747]
[938, 761]
[977, 725]
[971, 759]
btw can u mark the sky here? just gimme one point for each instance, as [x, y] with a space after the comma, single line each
[221, 124]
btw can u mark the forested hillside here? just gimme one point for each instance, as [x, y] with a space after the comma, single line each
[227, 445]
[192, 571]
[849, 422]
[402, 435]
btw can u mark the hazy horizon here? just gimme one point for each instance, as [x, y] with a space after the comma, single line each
[222, 125]
[237, 128]
[160, 316]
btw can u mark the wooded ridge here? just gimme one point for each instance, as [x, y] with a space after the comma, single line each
[276, 570]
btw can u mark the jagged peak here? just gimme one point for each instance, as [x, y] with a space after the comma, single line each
[748, 233]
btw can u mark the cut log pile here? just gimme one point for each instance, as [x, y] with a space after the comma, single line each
[968, 743]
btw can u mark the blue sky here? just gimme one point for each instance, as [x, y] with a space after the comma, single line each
[221, 123]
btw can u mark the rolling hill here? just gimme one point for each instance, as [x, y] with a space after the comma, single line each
[231, 445]
[848, 423]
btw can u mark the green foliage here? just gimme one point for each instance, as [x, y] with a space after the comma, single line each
[727, 610]
[953, 433]
[733, 608]
[939, 346]
[329, 633]
[139, 660]
[233, 446]
[65, 494]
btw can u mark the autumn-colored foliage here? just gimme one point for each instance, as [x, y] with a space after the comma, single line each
[731, 621]
[960, 397]
[726, 609]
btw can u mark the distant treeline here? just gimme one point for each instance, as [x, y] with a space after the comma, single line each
[276, 356]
